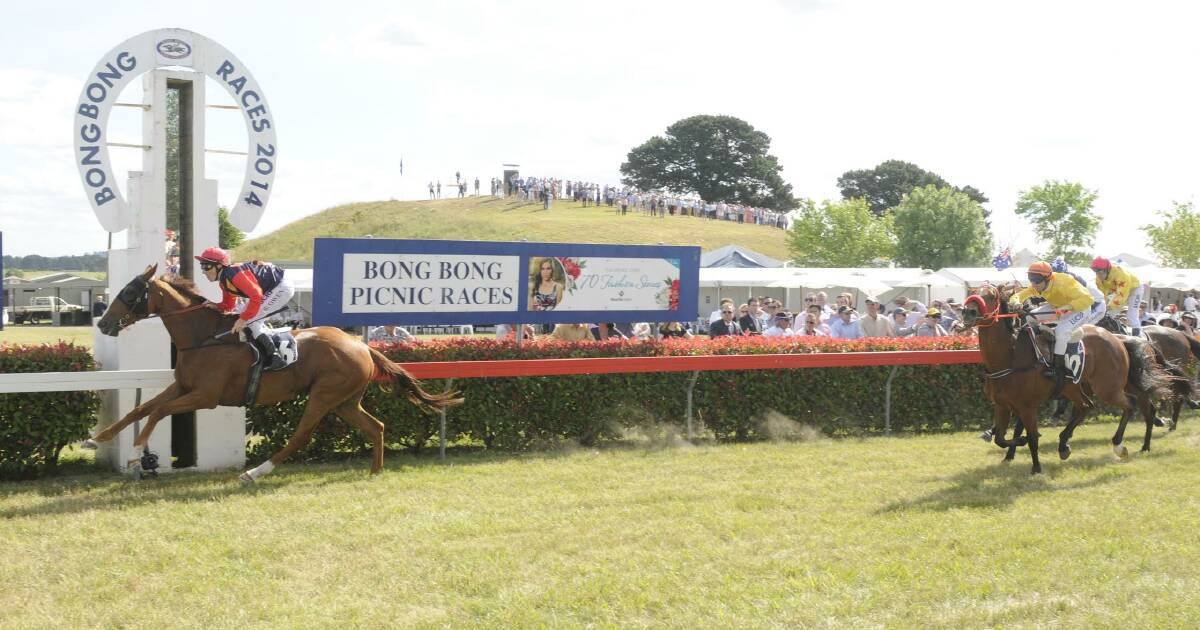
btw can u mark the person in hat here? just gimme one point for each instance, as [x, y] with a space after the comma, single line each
[874, 323]
[932, 325]
[1072, 302]
[1119, 288]
[782, 326]
[1187, 323]
[900, 322]
[845, 325]
[264, 288]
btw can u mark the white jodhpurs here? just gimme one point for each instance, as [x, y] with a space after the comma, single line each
[1135, 302]
[1069, 322]
[276, 299]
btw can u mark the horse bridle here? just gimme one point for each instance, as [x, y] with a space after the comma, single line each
[136, 298]
[993, 315]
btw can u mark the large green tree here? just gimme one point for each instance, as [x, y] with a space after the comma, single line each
[1062, 215]
[885, 185]
[1176, 240]
[940, 227]
[719, 158]
[841, 234]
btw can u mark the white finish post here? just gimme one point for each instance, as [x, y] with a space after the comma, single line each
[191, 58]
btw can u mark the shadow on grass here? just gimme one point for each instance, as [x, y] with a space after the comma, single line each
[996, 485]
[81, 486]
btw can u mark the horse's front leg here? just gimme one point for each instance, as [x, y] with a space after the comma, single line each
[1029, 419]
[191, 401]
[137, 413]
[1012, 448]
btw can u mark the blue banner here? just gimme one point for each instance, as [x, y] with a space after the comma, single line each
[372, 282]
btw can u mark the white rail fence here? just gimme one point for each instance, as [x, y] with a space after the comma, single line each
[84, 381]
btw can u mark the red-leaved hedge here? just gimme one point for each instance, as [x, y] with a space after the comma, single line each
[519, 413]
[34, 428]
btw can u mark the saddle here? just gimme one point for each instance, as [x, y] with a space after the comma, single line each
[288, 350]
[1043, 342]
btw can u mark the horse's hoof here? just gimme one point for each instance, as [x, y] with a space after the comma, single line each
[1064, 452]
[1159, 422]
[1036, 471]
[1173, 427]
[90, 444]
[1192, 404]
[1121, 452]
[1145, 449]
[1006, 460]
[246, 479]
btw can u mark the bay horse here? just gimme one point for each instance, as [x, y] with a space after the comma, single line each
[333, 368]
[1015, 384]
[1180, 350]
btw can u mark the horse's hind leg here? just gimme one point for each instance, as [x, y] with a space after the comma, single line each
[316, 409]
[1118, 448]
[351, 411]
[1149, 416]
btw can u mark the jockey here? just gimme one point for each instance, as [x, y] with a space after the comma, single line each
[1074, 304]
[1059, 265]
[264, 287]
[1119, 286]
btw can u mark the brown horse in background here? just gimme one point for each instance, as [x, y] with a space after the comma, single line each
[1015, 384]
[1180, 352]
[333, 368]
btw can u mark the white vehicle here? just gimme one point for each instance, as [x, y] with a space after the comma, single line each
[42, 308]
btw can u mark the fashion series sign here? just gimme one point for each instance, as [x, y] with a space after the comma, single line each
[358, 282]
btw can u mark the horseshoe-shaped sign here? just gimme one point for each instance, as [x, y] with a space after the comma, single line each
[156, 49]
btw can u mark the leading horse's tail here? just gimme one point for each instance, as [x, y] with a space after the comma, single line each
[1147, 369]
[389, 372]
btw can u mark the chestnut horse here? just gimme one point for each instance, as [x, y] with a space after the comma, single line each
[1015, 384]
[334, 368]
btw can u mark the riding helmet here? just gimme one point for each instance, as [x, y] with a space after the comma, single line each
[1040, 271]
[1101, 263]
[214, 255]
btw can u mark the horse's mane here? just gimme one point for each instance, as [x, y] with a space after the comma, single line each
[184, 287]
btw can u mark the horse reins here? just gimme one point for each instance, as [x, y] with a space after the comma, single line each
[993, 317]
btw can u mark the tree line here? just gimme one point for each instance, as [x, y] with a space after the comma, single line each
[895, 212]
[96, 261]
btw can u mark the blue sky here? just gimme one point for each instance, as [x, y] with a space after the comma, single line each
[997, 95]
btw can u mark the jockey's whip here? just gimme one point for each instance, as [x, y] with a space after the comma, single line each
[260, 317]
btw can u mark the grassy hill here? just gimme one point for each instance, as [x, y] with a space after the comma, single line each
[489, 219]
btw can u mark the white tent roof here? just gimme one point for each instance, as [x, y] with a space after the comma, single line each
[976, 276]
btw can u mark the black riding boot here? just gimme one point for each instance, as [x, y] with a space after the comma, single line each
[1060, 373]
[271, 359]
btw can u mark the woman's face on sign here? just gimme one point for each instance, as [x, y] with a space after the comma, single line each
[547, 270]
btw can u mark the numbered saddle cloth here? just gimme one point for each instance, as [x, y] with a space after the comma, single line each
[286, 343]
[1074, 360]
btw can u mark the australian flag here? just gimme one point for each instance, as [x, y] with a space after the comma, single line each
[1003, 260]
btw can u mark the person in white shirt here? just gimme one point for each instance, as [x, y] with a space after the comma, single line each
[391, 333]
[782, 327]
[1190, 303]
[875, 323]
[815, 311]
[812, 326]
